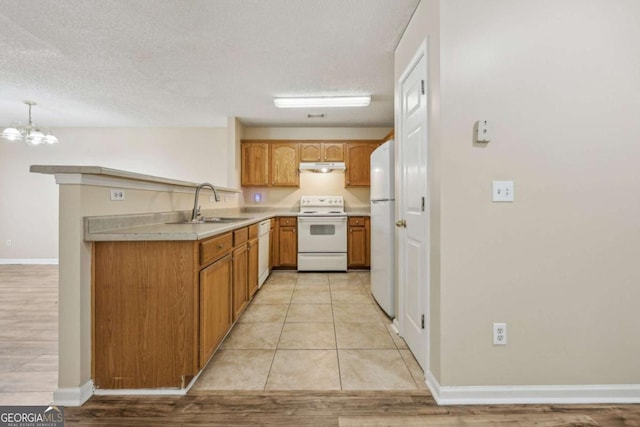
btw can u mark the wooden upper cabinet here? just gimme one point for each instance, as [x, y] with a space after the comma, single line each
[310, 152]
[358, 162]
[255, 164]
[285, 158]
[321, 152]
[333, 151]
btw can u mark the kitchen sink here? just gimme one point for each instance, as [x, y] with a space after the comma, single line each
[222, 219]
[211, 220]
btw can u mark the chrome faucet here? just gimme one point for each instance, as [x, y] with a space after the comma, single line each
[196, 209]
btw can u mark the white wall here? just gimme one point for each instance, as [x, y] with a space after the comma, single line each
[29, 206]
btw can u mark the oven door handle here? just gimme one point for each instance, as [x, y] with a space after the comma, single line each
[322, 219]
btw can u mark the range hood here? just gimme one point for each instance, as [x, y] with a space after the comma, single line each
[322, 167]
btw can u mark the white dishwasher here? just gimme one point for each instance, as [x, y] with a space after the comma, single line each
[263, 251]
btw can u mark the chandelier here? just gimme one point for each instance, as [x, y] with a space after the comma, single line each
[30, 133]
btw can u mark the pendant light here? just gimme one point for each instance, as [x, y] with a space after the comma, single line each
[30, 133]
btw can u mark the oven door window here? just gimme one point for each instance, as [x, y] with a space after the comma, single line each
[322, 229]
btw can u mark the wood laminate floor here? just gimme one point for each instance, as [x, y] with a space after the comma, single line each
[28, 334]
[28, 376]
[337, 408]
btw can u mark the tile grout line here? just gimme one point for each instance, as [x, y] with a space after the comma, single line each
[280, 336]
[335, 334]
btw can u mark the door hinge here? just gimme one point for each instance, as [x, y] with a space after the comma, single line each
[423, 204]
[422, 86]
[422, 322]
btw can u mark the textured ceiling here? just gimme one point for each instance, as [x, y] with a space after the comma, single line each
[195, 62]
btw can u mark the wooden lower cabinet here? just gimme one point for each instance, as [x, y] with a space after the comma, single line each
[160, 309]
[271, 243]
[358, 242]
[240, 289]
[215, 306]
[286, 242]
[145, 314]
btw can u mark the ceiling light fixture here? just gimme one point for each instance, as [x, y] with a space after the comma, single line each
[323, 101]
[30, 133]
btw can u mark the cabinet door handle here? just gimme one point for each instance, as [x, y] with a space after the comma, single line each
[294, 230]
[220, 246]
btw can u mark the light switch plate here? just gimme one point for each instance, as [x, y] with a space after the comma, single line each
[502, 191]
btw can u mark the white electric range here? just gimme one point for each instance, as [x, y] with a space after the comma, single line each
[322, 234]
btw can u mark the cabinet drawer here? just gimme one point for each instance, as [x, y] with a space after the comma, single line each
[240, 236]
[356, 221]
[253, 231]
[214, 248]
[287, 220]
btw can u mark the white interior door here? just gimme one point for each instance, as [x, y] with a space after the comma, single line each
[413, 209]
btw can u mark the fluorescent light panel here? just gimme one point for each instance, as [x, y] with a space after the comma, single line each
[322, 102]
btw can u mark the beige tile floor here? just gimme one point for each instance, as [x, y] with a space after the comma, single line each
[313, 331]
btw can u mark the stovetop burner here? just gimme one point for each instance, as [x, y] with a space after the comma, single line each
[322, 205]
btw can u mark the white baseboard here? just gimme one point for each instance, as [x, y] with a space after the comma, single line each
[395, 325]
[141, 392]
[532, 394]
[29, 261]
[73, 396]
[148, 391]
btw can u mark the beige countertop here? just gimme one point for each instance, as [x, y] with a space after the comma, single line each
[117, 173]
[157, 226]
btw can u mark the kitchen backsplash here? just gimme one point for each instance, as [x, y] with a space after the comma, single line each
[311, 184]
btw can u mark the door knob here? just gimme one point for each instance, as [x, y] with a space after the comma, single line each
[401, 223]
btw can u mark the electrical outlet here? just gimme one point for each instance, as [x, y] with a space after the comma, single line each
[117, 195]
[9, 243]
[483, 131]
[500, 334]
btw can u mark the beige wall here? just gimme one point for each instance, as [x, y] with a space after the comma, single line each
[559, 83]
[29, 208]
[311, 184]
[425, 28]
[234, 136]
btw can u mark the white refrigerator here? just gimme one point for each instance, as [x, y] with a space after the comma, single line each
[382, 228]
